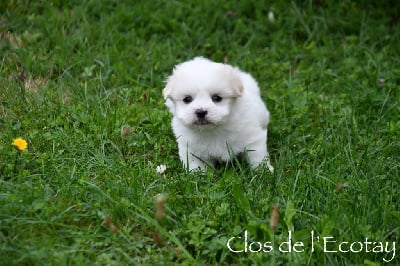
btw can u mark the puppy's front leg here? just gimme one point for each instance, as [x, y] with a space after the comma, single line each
[259, 155]
[190, 161]
[195, 164]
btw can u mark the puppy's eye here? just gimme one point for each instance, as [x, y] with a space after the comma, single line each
[187, 99]
[216, 98]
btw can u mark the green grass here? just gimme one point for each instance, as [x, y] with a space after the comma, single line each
[74, 73]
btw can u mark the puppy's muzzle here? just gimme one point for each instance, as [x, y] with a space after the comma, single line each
[200, 113]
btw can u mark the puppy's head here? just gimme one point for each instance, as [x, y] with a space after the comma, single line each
[200, 93]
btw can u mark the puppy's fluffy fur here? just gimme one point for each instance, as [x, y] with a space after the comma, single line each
[217, 112]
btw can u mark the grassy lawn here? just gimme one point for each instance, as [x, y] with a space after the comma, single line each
[81, 82]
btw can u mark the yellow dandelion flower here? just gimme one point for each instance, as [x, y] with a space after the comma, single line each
[20, 144]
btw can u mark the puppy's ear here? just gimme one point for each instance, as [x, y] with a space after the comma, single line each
[234, 80]
[171, 105]
[167, 96]
[168, 88]
[236, 83]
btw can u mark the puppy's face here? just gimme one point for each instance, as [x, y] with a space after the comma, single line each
[200, 93]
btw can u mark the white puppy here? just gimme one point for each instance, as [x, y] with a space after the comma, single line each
[217, 112]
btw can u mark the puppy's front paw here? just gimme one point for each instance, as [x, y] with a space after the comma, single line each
[270, 167]
[258, 159]
[194, 165]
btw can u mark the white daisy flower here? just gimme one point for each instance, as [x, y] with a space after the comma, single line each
[161, 168]
[271, 17]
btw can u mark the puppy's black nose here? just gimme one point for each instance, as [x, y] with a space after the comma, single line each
[201, 113]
